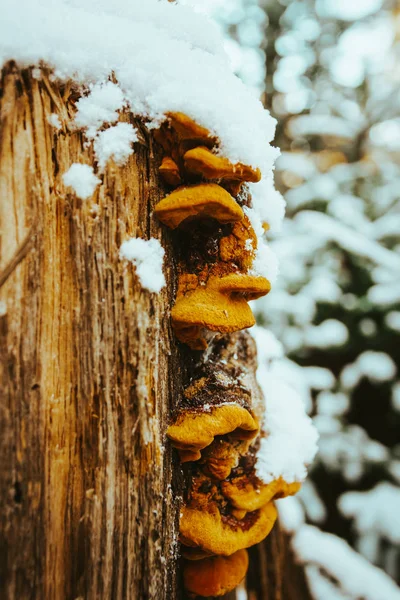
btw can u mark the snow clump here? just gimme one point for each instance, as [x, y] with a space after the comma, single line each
[115, 142]
[100, 106]
[82, 180]
[147, 256]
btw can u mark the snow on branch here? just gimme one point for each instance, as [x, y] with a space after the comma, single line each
[355, 575]
[328, 228]
[375, 511]
[335, 571]
[321, 125]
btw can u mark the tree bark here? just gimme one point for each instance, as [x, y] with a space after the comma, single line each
[90, 370]
[273, 571]
[89, 366]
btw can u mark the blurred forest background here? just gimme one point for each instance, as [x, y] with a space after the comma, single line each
[329, 72]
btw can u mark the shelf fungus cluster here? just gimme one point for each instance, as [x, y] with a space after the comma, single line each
[217, 243]
[216, 428]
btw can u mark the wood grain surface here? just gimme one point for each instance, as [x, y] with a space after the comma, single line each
[89, 366]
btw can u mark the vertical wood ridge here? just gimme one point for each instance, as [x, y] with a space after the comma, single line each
[86, 475]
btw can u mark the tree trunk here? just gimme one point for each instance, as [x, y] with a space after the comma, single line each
[273, 572]
[87, 357]
[90, 368]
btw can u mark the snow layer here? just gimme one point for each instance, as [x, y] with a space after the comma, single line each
[268, 346]
[291, 439]
[268, 203]
[265, 261]
[99, 107]
[164, 57]
[147, 256]
[291, 514]
[82, 179]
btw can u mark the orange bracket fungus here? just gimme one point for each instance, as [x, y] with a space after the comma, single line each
[228, 508]
[220, 305]
[169, 171]
[213, 289]
[187, 129]
[207, 521]
[215, 298]
[201, 161]
[189, 156]
[202, 200]
[215, 576]
[239, 246]
[223, 455]
[248, 493]
[222, 399]
[177, 135]
[249, 287]
[222, 534]
[194, 554]
[195, 430]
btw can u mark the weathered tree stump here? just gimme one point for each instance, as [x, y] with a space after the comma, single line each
[90, 369]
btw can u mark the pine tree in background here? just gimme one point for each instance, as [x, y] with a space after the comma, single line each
[328, 71]
[335, 93]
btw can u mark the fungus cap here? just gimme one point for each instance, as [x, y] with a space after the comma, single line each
[220, 305]
[169, 171]
[224, 535]
[249, 287]
[201, 161]
[202, 200]
[249, 493]
[215, 576]
[238, 513]
[188, 129]
[194, 430]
